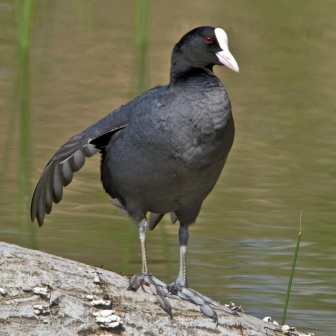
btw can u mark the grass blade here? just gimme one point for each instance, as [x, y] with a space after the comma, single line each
[291, 275]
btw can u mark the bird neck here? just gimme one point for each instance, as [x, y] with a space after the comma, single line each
[190, 73]
[182, 70]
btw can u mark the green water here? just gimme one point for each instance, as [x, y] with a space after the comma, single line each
[85, 60]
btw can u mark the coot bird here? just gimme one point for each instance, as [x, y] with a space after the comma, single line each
[161, 153]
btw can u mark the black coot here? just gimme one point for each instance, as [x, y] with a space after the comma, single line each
[161, 153]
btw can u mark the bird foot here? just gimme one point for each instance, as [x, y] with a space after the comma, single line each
[154, 284]
[206, 304]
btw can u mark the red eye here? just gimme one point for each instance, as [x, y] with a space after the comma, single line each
[208, 40]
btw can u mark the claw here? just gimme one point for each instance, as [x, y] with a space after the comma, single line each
[163, 292]
[182, 296]
[209, 312]
[174, 288]
[217, 305]
[196, 298]
[164, 303]
[135, 282]
[193, 296]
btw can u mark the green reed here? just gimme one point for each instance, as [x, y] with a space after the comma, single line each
[143, 11]
[291, 275]
[24, 9]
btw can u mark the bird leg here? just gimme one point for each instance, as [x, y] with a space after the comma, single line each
[183, 238]
[137, 280]
[143, 227]
[180, 287]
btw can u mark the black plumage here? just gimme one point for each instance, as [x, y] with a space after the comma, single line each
[162, 152]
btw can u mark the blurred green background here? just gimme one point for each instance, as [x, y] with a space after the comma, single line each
[65, 64]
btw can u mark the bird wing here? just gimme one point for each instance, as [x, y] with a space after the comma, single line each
[70, 158]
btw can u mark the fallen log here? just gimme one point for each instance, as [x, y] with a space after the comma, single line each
[42, 294]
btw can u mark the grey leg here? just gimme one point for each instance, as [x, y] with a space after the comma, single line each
[180, 286]
[183, 238]
[143, 226]
[146, 276]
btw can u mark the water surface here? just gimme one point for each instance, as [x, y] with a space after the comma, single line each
[83, 65]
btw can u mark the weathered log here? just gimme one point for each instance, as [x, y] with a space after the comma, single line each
[42, 294]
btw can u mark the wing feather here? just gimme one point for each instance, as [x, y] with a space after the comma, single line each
[79, 159]
[71, 157]
[56, 175]
[67, 171]
[59, 173]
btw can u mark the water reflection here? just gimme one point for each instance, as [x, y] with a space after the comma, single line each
[82, 67]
